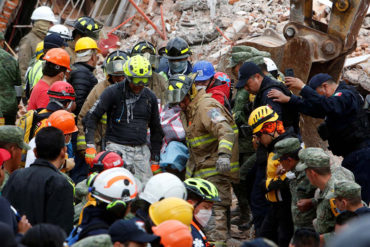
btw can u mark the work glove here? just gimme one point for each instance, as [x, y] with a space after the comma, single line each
[223, 163]
[90, 155]
[2, 121]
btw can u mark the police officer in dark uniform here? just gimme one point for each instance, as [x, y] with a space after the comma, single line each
[346, 125]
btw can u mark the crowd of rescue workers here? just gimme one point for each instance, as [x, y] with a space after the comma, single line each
[156, 153]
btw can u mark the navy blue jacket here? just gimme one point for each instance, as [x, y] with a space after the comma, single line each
[119, 130]
[344, 128]
[83, 80]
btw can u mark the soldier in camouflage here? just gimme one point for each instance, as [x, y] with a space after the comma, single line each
[11, 139]
[348, 197]
[316, 163]
[300, 187]
[241, 110]
[9, 85]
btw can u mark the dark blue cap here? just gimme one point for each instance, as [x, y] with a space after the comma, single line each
[54, 41]
[246, 71]
[319, 79]
[130, 231]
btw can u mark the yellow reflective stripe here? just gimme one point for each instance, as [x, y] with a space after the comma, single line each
[81, 140]
[225, 144]
[208, 172]
[197, 141]
[103, 119]
[235, 128]
[185, 50]
[89, 27]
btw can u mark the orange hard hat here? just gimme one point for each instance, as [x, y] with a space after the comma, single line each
[173, 233]
[64, 121]
[59, 57]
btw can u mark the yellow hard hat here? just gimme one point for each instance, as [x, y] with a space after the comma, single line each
[171, 208]
[85, 43]
[261, 115]
[39, 50]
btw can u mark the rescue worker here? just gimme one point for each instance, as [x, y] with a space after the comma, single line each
[34, 72]
[11, 139]
[212, 138]
[254, 81]
[42, 19]
[157, 83]
[109, 203]
[10, 85]
[50, 198]
[83, 27]
[218, 84]
[113, 68]
[348, 198]
[201, 194]
[131, 108]
[173, 233]
[267, 130]
[171, 208]
[158, 187]
[316, 163]
[243, 106]
[62, 120]
[346, 125]
[82, 77]
[286, 152]
[177, 53]
[62, 31]
[56, 65]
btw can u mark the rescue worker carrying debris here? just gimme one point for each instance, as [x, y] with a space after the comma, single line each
[212, 137]
[131, 108]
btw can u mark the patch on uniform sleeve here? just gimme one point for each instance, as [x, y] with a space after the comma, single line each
[333, 207]
[338, 94]
[215, 115]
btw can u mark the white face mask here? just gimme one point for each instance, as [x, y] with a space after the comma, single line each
[201, 87]
[203, 216]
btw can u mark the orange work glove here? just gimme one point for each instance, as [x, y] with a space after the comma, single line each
[90, 155]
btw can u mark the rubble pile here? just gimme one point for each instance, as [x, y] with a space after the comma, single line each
[212, 34]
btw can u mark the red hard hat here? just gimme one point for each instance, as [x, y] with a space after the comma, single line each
[59, 57]
[62, 90]
[106, 160]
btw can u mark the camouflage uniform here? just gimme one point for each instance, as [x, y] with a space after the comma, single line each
[325, 210]
[300, 187]
[101, 240]
[27, 45]
[242, 109]
[9, 77]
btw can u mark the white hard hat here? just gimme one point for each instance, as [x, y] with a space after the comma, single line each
[162, 186]
[43, 13]
[62, 30]
[271, 66]
[114, 184]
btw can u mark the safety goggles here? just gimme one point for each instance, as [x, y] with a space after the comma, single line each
[143, 81]
[153, 59]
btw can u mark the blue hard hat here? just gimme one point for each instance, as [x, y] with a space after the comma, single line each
[204, 69]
